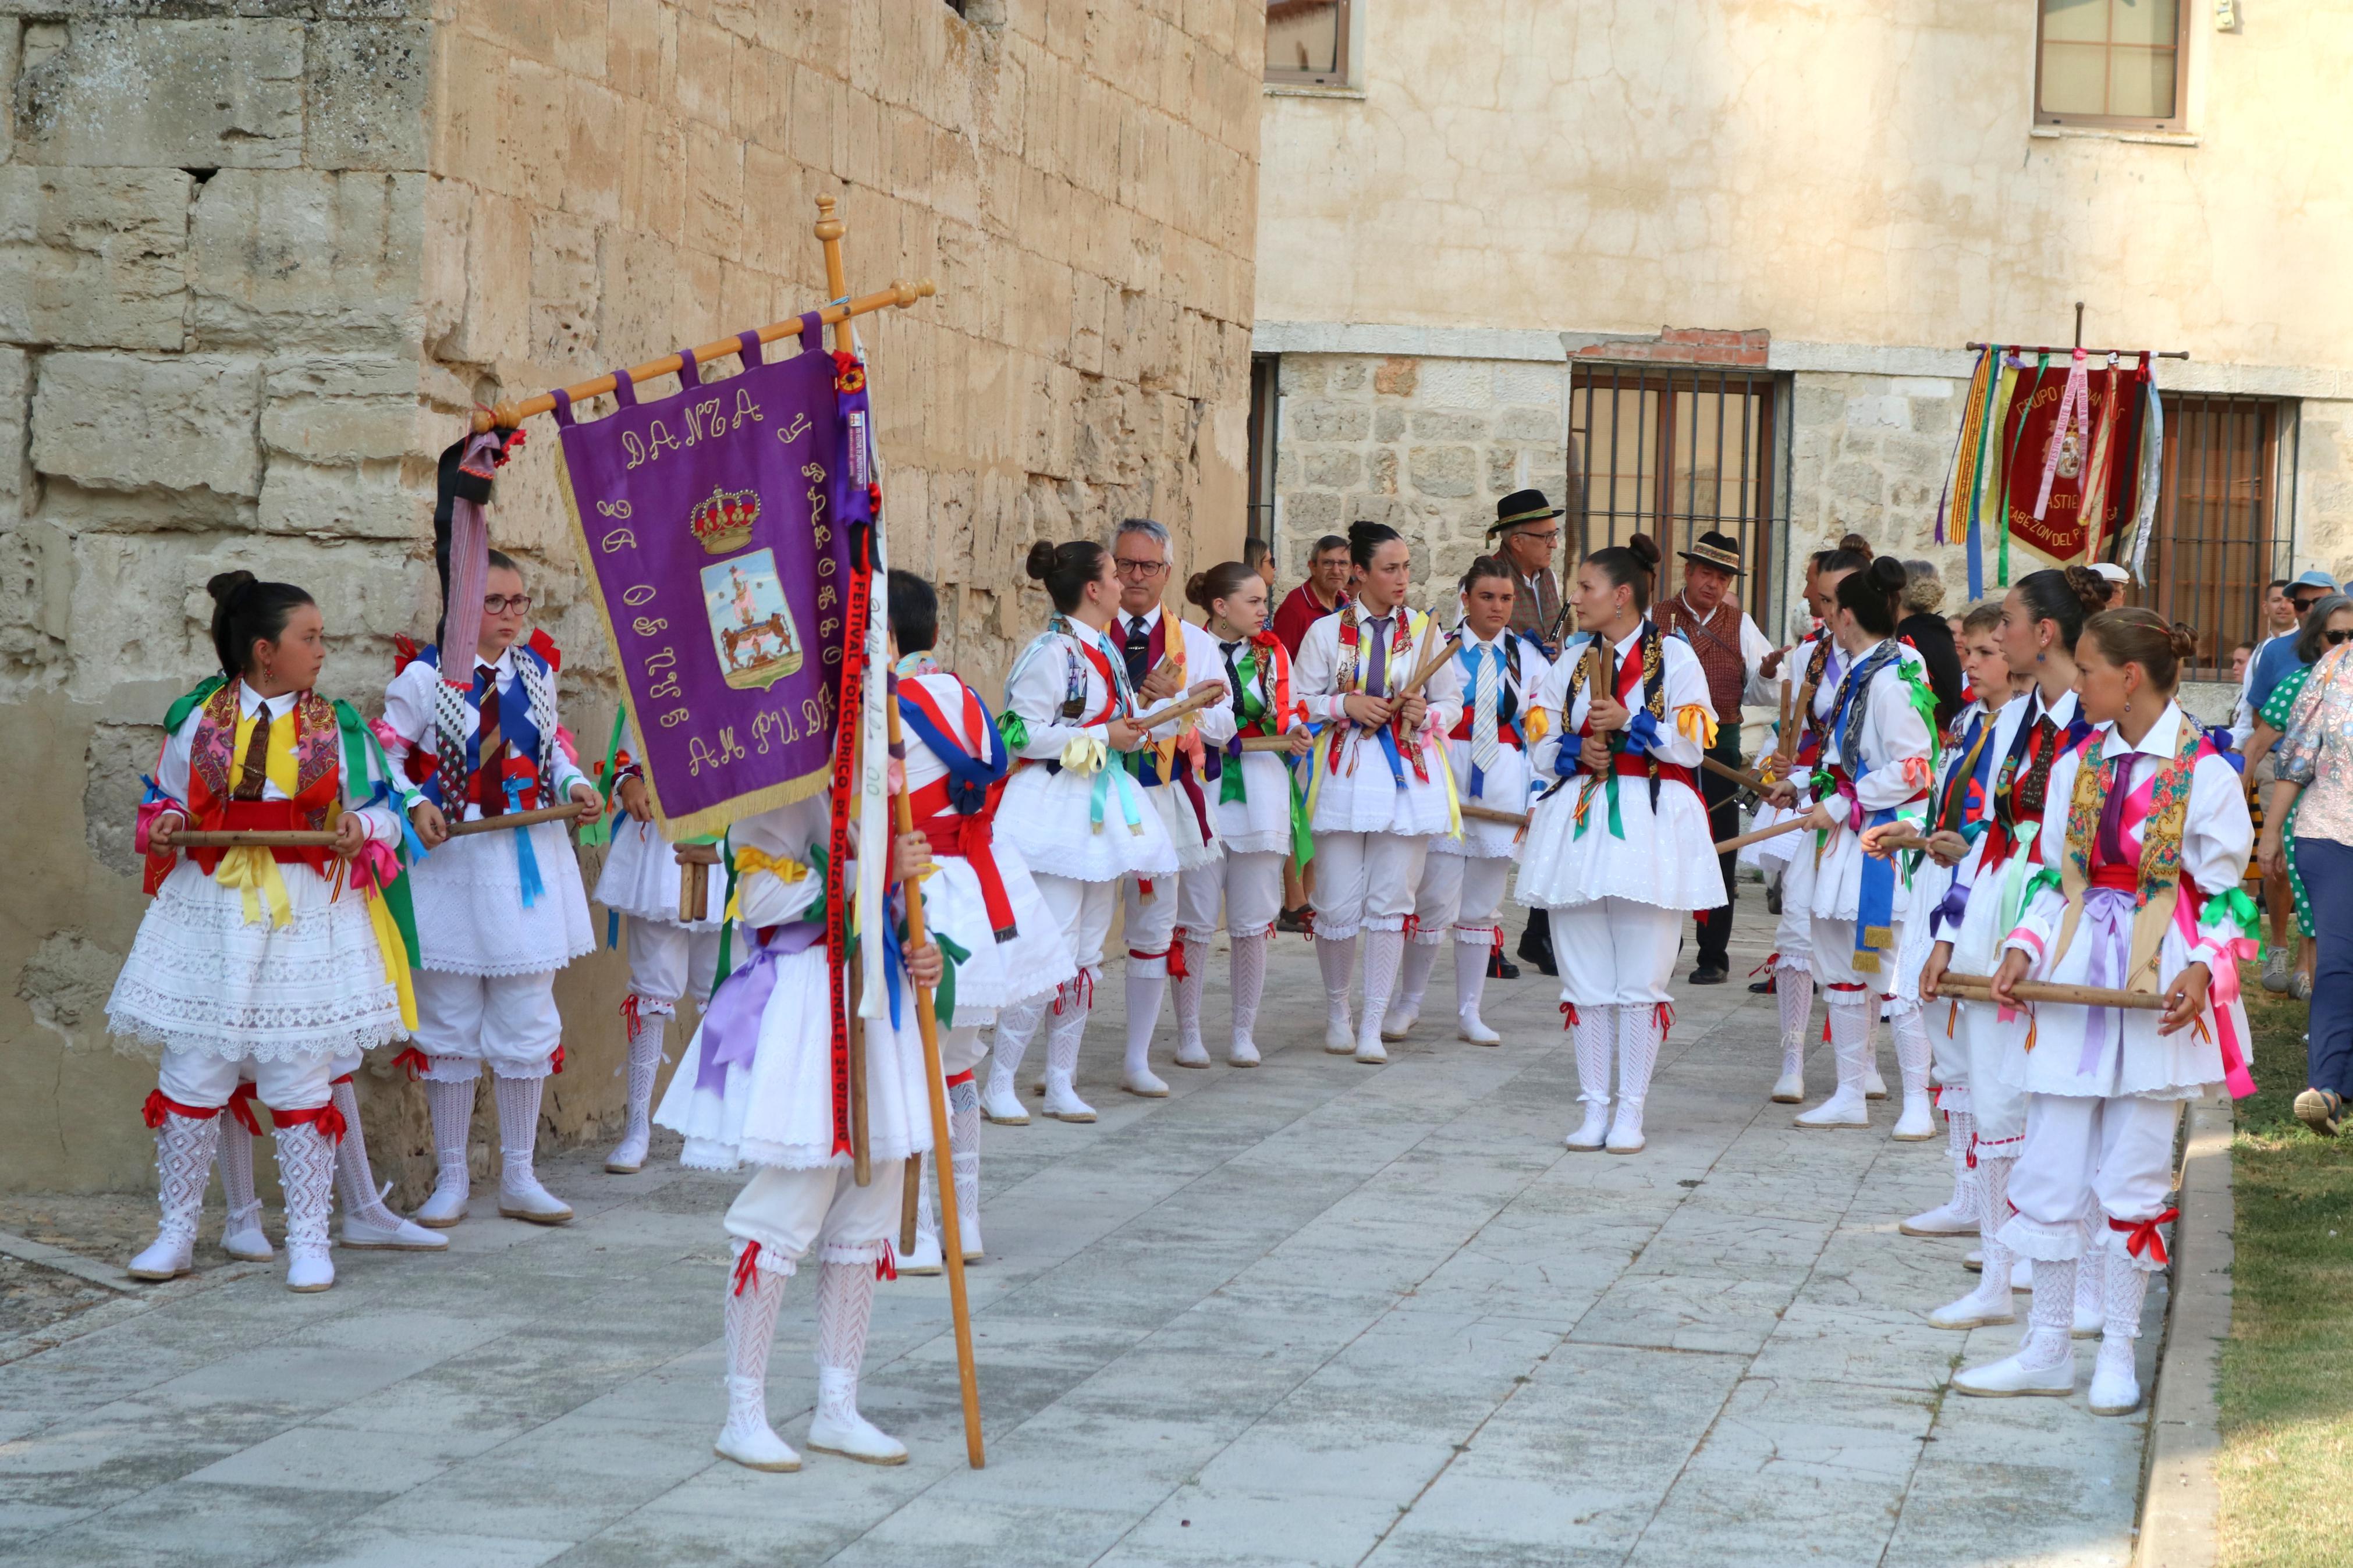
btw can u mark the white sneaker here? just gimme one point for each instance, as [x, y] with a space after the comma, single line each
[166, 1258]
[1626, 1129]
[856, 1438]
[446, 1206]
[1396, 1025]
[2116, 1380]
[1339, 1034]
[402, 1235]
[1472, 1028]
[1063, 1104]
[1945, 1219]
[1844, 1108]
[1371, 1052]
[1874, 1086]
[308, 1271]
[1192, 1053]
[925, 1259]
[1789, 1089]
[2017, 1375]
[1918, 1122]
[1146, 1083]
[1594, 1131]
[241, 1235]
[1003, 1106]
[1243, 1053]
[1985, 1304]
[528, 1200]
[628, 1156]
[751, 1442]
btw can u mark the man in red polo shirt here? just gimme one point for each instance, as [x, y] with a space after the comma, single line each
[1325, 590]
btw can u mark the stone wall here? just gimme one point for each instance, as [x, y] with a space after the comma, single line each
[1426, 445]
[257, 261]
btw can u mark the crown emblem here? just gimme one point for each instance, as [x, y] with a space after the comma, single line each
[723, 522]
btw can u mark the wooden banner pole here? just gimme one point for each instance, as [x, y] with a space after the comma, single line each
[829, 230]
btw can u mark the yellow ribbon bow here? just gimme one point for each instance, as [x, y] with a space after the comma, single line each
[1692, 720]
[750, 858]
[253, 871]
[1086, 754]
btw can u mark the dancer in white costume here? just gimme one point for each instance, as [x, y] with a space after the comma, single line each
[2041, 619]
[1957, 820]
[1072, 809]
[980, 903]
[1259, 817]
[1167, 658]
[1380, 789]
[1617, 849]
[1460, 901]
[497, 914]
[269, 956]
[758, 1089]
[2143, 848]
[1875, 767]
[669, 958]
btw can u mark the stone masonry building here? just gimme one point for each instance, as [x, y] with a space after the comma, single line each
[260, 258]
[1715, 264]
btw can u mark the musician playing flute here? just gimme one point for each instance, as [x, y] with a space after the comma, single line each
[2139, 890]
[1617, 850]
[262, 955]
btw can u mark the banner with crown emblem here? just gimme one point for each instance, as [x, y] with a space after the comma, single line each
[708, 522]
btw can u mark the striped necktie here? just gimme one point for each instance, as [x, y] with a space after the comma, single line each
[1486, 677]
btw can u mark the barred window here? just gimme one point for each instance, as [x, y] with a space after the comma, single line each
[2211, 552]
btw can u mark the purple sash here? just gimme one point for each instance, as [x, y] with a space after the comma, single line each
[2107, 925]
[731, 1025]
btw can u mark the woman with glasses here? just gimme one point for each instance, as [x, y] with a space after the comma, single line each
[497, 914]
[2328, 625]
[2313, 800]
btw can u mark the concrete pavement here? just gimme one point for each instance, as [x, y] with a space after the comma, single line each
[1310, 1313]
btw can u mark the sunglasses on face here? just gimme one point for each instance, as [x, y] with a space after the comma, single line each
[2334, 638]
[500, 604]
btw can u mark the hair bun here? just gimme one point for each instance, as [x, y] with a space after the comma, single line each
[1645, 549]
[1041, 560]
[2185, 641]
[1886, 573]
[1858, 543]
[227, 583]
[2089, 588]
[1365, 531]
[1196, 590]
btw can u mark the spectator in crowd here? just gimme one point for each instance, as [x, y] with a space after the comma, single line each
[1259, 556]
[2316, 784]
[2328, 624]
[1325, 590]
[2279, 621]
[2277, 657]
[1527, 532]
[2241, 654]
[1932, 635]
[2117, 578]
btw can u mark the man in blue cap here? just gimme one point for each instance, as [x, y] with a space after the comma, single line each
[2278, 656]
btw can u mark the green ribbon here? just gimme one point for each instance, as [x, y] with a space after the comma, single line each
[1924, 702]
[2239, 911]
[944, 998]
[726, 927]
[601, 830]
[2042, 876]
[1015, 728]
[359, 745]
[177, 714]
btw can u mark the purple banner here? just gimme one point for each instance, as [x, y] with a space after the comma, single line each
[709, 522]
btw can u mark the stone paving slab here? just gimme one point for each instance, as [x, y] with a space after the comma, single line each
[1309, 1313]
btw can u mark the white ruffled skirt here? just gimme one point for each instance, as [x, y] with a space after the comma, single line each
[1667, 860]
[779, 1110]
[200, 978]
[470, 917]
[641, 878]
[1050, 818]
[1033, 963]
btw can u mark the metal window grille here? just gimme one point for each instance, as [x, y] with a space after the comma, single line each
[1265, 395]
[1675, 453]
[2211, 552]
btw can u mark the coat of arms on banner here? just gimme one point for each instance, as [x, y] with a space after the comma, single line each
[752, 626]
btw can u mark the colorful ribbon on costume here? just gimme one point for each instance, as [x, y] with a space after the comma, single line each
[253, 871]
[750, 857]
[526, 858]
[2142, 1236]
[373, 870]
[731, 1024]
[2108, 921]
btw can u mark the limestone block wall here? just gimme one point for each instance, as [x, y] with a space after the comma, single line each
[257, 262]
[1427, 444]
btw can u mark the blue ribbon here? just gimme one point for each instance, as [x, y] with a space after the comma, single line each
[526, 862]
[1875, 895]
[414, 845]
[154, 792]
[968, 777]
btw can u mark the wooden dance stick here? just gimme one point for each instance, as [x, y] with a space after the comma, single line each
[1183, 709]
[258, 838]
[1977, 987]
[1473, 812]
[567, 813]
[910, 1197]
[927, 1024]
[1428, 667]
[1727, 845]
[1741, 776]
[1266, 742]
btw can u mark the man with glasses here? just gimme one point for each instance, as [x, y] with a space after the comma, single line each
[1527, 529]
[1167, 658]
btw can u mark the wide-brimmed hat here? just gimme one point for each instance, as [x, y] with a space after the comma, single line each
[1720, 551]
[1522, 505]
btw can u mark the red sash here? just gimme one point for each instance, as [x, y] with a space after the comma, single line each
[1637, 766]
[972, 837]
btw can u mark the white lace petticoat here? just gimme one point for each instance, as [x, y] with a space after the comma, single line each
[201, 978]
